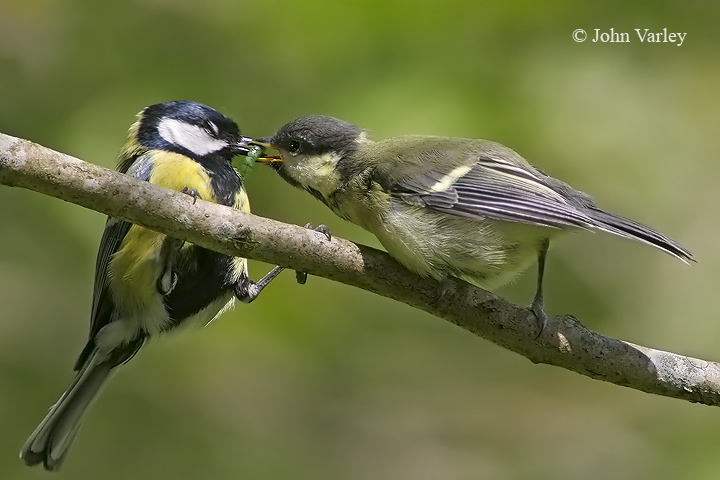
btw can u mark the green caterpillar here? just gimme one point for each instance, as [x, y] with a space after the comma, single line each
[253, 154]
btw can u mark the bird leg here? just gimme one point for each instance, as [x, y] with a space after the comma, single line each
[538, 304]
[246, 290]
[192, 192]
[169, 250]
[301, 277]
[168, 279]
[439, 291]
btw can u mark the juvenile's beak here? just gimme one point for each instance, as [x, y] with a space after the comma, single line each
[271, 160]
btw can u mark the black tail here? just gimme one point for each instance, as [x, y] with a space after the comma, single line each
[624, 227]
[51, 440]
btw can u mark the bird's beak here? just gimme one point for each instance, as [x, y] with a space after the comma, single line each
[242, 146]
[271, 160]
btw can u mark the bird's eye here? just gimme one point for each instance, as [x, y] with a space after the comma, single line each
[211, 129]
[293, 147]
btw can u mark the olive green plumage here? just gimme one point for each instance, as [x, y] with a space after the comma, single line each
[443, 206]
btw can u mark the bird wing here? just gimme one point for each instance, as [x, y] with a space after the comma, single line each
[113, 235]
[485, 185]
[482, 180]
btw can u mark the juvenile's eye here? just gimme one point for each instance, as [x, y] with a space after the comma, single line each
[294, 146]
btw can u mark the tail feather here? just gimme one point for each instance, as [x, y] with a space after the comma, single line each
[627, 228]
[51, 440]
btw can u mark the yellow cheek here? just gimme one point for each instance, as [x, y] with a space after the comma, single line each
[317, 172]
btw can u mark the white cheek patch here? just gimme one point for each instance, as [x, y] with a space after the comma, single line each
[189, 137]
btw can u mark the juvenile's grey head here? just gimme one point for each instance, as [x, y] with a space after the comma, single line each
[316, 135]
[311, 148]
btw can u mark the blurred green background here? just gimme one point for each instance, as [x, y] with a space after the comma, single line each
[326, 381]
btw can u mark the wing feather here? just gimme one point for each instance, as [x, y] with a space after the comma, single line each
[112, 237]
[496, 189]
[489, 181]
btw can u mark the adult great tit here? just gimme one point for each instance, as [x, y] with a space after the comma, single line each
[147, 283]
[444, 207]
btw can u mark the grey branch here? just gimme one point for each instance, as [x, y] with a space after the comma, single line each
[565, 341]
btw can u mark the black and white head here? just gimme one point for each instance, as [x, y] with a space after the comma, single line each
[315, 152]
[191, 129]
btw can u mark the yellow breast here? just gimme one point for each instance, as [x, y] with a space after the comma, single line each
[137, 264]
[175, 171]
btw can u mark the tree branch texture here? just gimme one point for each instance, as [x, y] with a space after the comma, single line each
[565, 342]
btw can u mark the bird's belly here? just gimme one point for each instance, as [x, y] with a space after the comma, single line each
[133, 273]
[486, 253]
[224, 302]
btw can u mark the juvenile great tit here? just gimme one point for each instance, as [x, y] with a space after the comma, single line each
[147, 283]
[444, 207]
